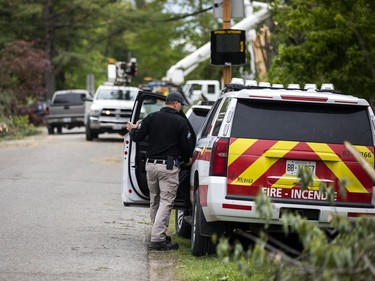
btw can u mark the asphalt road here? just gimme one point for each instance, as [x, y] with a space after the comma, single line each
[61, 213]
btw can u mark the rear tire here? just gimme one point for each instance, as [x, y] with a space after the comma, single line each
[200, 245]
[183, 228]
[50, 130]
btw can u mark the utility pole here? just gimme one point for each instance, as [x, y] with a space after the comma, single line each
[227, 12]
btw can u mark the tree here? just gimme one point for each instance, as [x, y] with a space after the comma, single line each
[197, 22]
[326, 41]
[168, 36]
[78, 36]
[21, 74]
[60, 28]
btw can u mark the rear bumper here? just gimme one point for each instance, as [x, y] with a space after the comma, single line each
[65, 121]
[217, 207]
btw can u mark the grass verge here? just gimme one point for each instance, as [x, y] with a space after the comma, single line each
[210, 267]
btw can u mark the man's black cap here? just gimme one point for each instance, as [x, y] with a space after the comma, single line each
[176, 96]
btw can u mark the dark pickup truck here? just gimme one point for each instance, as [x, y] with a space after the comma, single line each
[66, 110]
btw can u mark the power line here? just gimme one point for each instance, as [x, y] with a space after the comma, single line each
[188, 15]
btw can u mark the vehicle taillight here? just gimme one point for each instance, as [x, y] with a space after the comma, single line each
[219, 157]
[46, 110]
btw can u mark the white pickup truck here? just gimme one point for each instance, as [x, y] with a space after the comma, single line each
[66, 110]
[109, 110]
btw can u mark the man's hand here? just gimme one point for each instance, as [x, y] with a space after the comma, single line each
[186, 164]
[130, 126]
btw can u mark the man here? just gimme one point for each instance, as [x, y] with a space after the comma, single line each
[170, 141]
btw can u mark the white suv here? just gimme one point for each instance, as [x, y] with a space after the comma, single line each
[255, 139]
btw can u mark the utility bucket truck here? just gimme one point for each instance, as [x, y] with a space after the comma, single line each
[208, 88]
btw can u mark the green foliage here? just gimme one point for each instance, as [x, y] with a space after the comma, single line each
[264, 206]
[316, 41]
[16, 127]
[326, 41]
[351, 252]
[6, 99]
[79, 36]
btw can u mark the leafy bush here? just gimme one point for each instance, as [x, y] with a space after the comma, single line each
[16, 127]
[347, 255]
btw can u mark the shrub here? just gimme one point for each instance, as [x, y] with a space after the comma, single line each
[16, 127]
[347, 255]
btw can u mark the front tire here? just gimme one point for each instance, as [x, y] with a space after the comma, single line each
[200, 245]
[90, 135]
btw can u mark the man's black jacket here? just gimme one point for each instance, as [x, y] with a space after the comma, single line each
[168, 135]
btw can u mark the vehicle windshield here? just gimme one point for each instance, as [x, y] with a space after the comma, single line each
[117, 94]
[321, 123]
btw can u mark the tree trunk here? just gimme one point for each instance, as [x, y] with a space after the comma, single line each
[49, 76]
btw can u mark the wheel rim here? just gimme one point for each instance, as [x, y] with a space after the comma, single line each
[180, 217]
[194, 226]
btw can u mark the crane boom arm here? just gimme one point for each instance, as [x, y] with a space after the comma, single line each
[176, 73]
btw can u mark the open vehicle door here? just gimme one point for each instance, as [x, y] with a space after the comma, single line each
[135, 190]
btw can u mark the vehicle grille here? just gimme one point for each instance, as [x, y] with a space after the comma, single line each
[116, 113]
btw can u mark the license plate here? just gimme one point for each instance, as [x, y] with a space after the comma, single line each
[292, 166]
[67, 119]
[117, 127]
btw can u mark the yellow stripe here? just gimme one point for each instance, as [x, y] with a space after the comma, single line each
[203, 150]
[238, 147]
[262, 164]
[366, 153]
[289, 181]
[340, 170]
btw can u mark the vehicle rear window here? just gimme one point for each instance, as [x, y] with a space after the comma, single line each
[69, 98]
[302, 122]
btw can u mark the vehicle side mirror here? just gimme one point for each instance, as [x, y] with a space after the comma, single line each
[86, 98]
